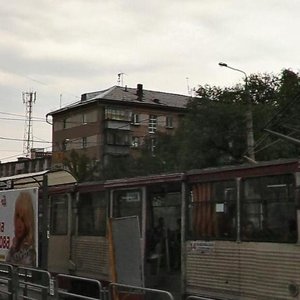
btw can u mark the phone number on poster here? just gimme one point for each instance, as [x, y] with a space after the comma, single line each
[4, 242]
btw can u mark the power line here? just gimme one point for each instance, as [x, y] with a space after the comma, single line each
[22, 140]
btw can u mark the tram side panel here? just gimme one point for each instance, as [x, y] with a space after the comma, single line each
[59, 243]
[77, 242]
[90, 256]
[242, 238]
[242, 270]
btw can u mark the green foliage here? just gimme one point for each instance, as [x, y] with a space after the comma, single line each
[212, 134]
[214, 129]
[81, 166]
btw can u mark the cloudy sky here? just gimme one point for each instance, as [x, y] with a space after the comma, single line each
[61, 49]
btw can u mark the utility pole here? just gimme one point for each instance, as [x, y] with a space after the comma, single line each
[249, 117]
[28, 99]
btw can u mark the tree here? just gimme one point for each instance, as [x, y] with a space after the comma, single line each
[214, 129]
[81, 166]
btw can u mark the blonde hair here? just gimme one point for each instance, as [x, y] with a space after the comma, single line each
[24, 208]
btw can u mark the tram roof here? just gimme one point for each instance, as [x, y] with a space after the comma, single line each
[279, 166]
[54, 178]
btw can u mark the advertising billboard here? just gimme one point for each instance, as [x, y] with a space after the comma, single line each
[19, 226]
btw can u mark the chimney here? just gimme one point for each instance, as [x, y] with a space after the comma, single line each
[83, 97]
[139, 92]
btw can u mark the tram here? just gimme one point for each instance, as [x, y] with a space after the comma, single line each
[242, 232]
[227, 233]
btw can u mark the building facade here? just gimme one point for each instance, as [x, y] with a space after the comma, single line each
[39, 160]
[114, 122]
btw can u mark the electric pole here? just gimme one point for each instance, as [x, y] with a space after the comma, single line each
[28, 99]
[249, 116]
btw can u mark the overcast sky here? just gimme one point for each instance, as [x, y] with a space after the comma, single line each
[62, 49]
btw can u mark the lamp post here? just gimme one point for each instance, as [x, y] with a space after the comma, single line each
[249, 118]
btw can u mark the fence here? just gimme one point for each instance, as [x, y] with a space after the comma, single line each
[37, 284]
[24, 283]
[122, 291]
[197, 298]
[6, 280]
[80, 288]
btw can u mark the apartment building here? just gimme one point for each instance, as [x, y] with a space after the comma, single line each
[114, 121]
[39, 160]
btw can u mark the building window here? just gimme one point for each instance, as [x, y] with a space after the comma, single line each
[169, 121]
[84, 118]
[84, 142]
[64, 145]
[152, 123]
[135, 119]
[65, 122]
[92, 207]
[135, 142]
[117, 114]
[117, 138]
[58, 215]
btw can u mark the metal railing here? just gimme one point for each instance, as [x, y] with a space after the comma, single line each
[192, 297]
[116, 290]
[76, 291]
[36, 284]
[32, 283]
[6, 280]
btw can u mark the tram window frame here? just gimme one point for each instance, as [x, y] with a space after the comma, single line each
[268, 209]
[219, 200]
[58, 213]
[133, 207]
[92, 213]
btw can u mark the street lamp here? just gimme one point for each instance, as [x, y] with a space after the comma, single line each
[249, 118]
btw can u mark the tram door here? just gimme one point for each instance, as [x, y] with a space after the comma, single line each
[59, 242]
[163, 239]
[128, 203]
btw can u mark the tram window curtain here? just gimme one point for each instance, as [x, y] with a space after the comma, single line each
[268, 209]
[213, 210]
[58, 215]
[92, 209]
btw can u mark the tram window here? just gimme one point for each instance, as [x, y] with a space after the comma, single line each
[58, 213]
[167, 206]
[92, 209]
[212, 210]
[268, 209]
[127, 203]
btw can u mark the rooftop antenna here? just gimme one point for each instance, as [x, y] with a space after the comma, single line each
[28, 99]
[120, 79]
[189, 90]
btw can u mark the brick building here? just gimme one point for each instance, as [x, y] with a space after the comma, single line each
[114, 122]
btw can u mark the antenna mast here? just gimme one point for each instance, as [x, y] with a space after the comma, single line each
[189, 90]
[28, 99]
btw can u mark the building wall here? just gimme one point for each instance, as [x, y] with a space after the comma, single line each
[97, 130]
[80, 130]
[25, 165]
